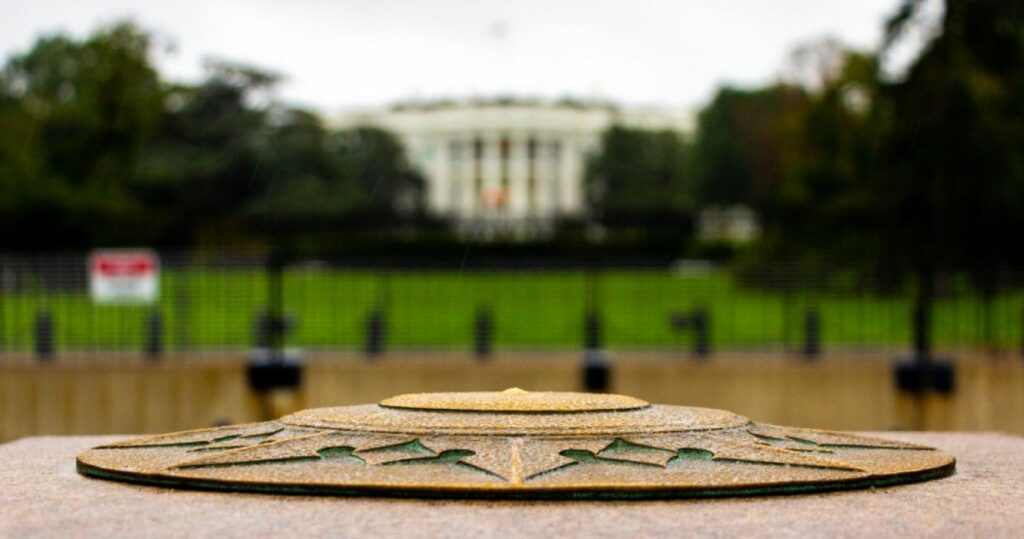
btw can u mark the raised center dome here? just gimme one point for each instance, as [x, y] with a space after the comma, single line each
[515, 400]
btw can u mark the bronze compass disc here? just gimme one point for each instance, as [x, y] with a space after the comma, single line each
[515, 444]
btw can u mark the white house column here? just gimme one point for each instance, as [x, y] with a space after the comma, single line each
[518, 170]
[570, 185]
[467, 177]
[549, 153]
[491, 173]
[440, 188]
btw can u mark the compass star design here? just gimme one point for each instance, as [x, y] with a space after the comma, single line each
[515, 444]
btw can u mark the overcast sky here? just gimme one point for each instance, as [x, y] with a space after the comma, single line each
[340, 54]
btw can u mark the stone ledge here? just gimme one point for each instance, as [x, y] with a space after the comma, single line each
[42, 495]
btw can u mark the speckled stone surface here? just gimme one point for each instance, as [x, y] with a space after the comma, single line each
[41, 495]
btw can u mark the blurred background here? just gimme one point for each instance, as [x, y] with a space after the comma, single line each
[807, 212]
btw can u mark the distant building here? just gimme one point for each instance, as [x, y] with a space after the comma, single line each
[506, 165]
[733, 224]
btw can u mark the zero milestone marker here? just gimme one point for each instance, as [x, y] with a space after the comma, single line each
[515, 444]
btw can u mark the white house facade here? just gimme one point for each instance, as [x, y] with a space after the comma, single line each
[506, 164]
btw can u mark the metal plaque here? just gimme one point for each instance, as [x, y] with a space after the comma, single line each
[515, 444]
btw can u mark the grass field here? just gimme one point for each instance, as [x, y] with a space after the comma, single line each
[436, 309]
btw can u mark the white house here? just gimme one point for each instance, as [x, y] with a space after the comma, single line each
[506, 164]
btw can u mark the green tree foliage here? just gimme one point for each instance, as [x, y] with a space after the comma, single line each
[913, 176]
[317, 175]
[384, 178]
[205, 163]
[742, 149]
[952, 194]
[639, 171]
[821, 211]
[98, 150]
[76, 117]
[308, 177]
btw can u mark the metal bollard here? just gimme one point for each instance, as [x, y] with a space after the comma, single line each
[154, 335]
[596, 371]
[812, 334]
[44, 335]
[919, 375]
[483, 333]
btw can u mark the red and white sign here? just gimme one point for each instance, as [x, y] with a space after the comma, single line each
[124, 276]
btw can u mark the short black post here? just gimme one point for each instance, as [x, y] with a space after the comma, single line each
[483, 332]
[44, 335]
[812, 333]
[154, 335]
[701, 320]
[181, 304]
[376, 328]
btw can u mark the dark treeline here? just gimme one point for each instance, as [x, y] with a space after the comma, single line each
[97, 149]
[855, 170]
[849, 168]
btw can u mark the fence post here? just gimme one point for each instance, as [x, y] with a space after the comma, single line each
[923, 373]
[812, 333]
[154, 335]
[275, 304]
[376, 327]
[181, 302]
[3, 304]
[592, 330]
[483, 332]
[44, 335]
[701, 332]
[596, 364]
[271, 369]
[699, 321]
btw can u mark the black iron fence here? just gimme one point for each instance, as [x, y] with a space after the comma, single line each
[227, 302]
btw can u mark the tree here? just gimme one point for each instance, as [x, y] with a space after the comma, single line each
[637, 172]
[387, 183]
[954, 184]
[98, 150]
[306, 178]
[83, 110]
[742, 149]
[822, 213]
[206, 163]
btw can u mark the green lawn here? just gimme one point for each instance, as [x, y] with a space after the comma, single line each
[435, 309]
